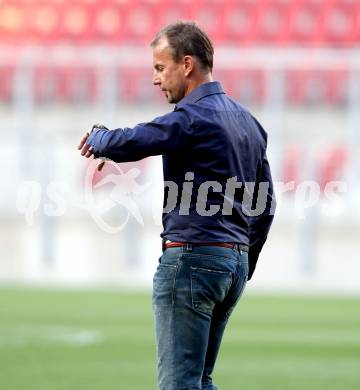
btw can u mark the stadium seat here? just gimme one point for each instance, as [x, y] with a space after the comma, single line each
[331, 165]
[6, 83]
[272, 23]
[210, 16]
[291, 166]
[56, 84]
[44, 23]
[76, 24]
[338, 87]
[135, 85]
[245, 85]
[239, 22]
[305, 21]
[339, 24]
[48, 85]
[311, 87]
[80, 85]
[13, 26]
[306, 87]
[357, 25]
[108, 23]
[171, 14]
[140, 22]
[246, 22]
[173, 11]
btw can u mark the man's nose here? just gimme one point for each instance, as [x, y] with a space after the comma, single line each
[156, 80]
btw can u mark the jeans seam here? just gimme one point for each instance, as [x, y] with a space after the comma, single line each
[229, 312]
[173, 346]
[178, 265]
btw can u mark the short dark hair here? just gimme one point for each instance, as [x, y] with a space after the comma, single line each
[186, 38]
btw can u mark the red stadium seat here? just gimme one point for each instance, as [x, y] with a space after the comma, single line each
[6, 83]
[339, 24]
[331, 165]
[76, 23]
[172, 11]
[13, 25]
[140, 22]
[108, 22]
[311, 87]
[292, 165]
[245, 22]
[357, 25]
[48, 85]
[45, 25]
[135, 85]
[55, 84]
[338, 86]
[272, 23]
[239, 22]
[306, 87]
[334, 23]
[245, 85]
[80, 85]
[306, 18]
[210, 16]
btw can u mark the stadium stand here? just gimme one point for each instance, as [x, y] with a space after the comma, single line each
[330, 165]
[237, 23]
[304, 22]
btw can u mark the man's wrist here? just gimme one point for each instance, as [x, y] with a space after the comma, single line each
[92, 138]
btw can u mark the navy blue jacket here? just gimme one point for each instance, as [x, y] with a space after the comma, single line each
[206, 141]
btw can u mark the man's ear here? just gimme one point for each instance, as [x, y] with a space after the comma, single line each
[188, 65]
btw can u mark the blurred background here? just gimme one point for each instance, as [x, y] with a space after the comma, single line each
[65, 65]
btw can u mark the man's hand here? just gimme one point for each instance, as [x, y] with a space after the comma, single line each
[84, 147]
[86, 150]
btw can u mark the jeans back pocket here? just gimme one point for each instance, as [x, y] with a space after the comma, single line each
[208, 288]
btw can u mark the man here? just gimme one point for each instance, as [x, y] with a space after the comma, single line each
[214, 155]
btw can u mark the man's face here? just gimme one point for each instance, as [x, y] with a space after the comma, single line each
[168, 74]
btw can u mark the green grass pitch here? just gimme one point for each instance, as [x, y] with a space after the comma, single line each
[104, 340]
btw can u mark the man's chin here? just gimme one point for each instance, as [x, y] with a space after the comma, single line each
[171, 100]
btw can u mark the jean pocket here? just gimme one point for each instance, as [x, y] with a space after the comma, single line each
[208, 288]
[163, 284]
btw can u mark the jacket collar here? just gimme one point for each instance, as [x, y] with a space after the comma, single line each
[206, 89]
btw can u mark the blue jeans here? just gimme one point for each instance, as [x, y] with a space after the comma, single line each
[195, 290]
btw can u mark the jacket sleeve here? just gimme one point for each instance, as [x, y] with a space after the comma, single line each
[160, 136]
[259, 226]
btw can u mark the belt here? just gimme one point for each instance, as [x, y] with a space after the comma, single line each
[231, 245]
